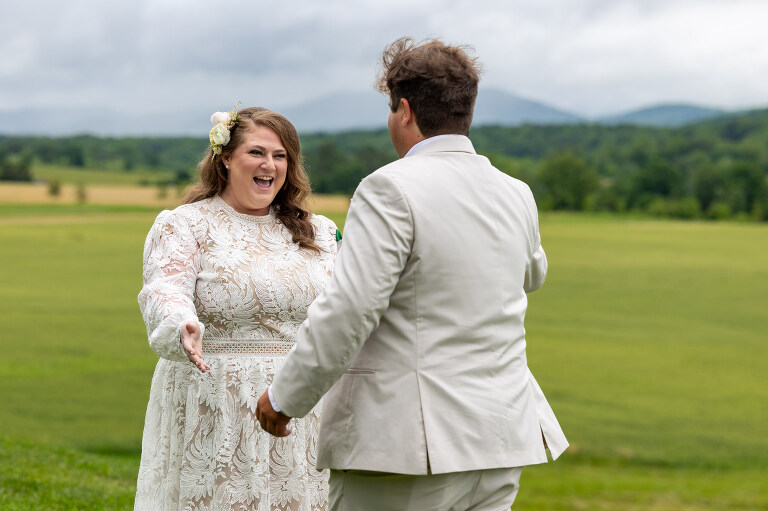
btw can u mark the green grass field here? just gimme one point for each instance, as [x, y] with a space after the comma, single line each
[90, 176]
[649, 338]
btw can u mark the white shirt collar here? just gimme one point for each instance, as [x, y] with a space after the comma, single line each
[427, 141]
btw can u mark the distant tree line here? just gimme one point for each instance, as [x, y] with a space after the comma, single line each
[15, 168]
[110, 154]
[713, 169]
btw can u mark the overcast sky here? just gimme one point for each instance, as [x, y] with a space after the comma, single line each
[590, 57]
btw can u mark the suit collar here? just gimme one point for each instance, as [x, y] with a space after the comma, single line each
[442, 143]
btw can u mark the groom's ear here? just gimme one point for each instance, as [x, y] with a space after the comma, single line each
[409, 120]
[407, 115]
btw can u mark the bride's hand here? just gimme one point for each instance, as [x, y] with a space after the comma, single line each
[192, 342]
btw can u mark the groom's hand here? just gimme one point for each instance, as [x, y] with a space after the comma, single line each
[274, 423]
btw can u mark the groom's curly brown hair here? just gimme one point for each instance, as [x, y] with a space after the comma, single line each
[439, 81]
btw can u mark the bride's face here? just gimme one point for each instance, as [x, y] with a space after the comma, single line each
[257, 170]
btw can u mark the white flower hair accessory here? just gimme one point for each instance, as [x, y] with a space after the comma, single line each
[220, 133]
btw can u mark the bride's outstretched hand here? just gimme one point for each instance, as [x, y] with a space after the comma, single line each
[192, 342]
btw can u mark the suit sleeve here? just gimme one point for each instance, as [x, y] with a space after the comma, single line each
[536, 271]
[378, 236]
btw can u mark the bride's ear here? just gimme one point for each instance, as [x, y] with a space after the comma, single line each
[225, 160]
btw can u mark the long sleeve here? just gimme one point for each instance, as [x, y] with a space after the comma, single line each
[537, 269]
[536, 272]
[171, 264]
[378, 236]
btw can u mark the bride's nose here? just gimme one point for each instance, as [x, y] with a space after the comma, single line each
[269, 163]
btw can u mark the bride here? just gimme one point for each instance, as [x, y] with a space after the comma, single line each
[228, 277]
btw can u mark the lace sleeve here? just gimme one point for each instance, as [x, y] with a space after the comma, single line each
[171, 264]
[330, 233]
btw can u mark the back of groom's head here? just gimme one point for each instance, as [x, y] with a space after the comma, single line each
[438, 81]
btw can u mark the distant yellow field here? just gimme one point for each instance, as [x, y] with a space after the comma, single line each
[330, 203]
[37, 193]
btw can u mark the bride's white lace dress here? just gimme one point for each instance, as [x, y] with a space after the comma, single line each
[249, 286]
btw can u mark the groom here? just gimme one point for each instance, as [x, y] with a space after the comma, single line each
[419, 334]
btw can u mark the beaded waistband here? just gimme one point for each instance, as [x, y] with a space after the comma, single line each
[266, 347]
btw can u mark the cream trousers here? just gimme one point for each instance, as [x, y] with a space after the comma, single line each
[477, 490]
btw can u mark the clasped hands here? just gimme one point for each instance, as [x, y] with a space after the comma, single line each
[274, 423]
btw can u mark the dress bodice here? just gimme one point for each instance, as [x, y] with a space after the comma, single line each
[241, 276]
[255, 283]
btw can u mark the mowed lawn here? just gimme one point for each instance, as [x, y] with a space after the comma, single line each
[649, 338]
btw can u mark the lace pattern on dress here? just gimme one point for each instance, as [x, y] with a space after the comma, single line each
[249, 286]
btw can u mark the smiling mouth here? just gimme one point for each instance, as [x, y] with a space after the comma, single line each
[263, 182]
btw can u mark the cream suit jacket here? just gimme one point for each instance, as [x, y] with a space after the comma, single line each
[420, 330]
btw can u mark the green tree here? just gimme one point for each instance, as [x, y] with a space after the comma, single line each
[75, 154]
[708, 185]
[15, 168]
[746, 186]
[567, 181]
[54, 187]
[371, 158]
[334, 171]
[658, 178]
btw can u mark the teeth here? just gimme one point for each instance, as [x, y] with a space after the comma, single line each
[262, 178]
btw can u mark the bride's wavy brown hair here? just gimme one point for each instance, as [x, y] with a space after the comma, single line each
[292, 200]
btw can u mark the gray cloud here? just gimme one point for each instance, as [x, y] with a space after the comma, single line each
[592, 57]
